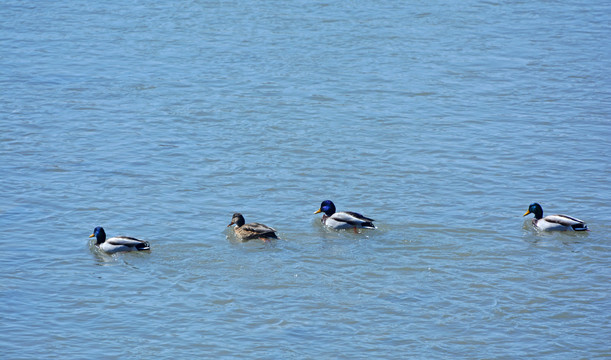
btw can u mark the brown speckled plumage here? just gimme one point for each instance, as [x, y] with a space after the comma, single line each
[251, 231]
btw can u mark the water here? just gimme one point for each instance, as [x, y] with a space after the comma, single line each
[441, 121]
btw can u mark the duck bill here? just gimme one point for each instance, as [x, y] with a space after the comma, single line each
[92, 235]
[526, 213]
[230, 224]
[317, 211]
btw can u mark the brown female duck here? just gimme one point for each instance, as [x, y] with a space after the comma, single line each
[251, 231]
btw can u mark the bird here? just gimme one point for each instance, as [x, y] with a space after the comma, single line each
[118, 243]
[554, 222]
[343, 219]
[251, 231]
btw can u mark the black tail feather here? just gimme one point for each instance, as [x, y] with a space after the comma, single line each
[143, 246]
[369, 225]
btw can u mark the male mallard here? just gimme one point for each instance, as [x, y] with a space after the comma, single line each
[343, 219]
[554, 222]
[117, 243]
[251, 231]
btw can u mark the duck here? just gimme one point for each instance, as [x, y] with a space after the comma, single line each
[343, 219]
[251, 231]
[554, 222]
[117, 243]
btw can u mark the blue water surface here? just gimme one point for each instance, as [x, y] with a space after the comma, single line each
[442, 121]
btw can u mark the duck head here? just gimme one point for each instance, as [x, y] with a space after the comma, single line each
[536, 209]
[237, 219]
[327, 207]
[100, 234]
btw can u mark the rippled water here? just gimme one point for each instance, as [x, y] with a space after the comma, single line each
[441, 121]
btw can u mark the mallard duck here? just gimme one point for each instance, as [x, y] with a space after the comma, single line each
[117, 243]
[343, 219]
[554, 222]
[251, 231]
